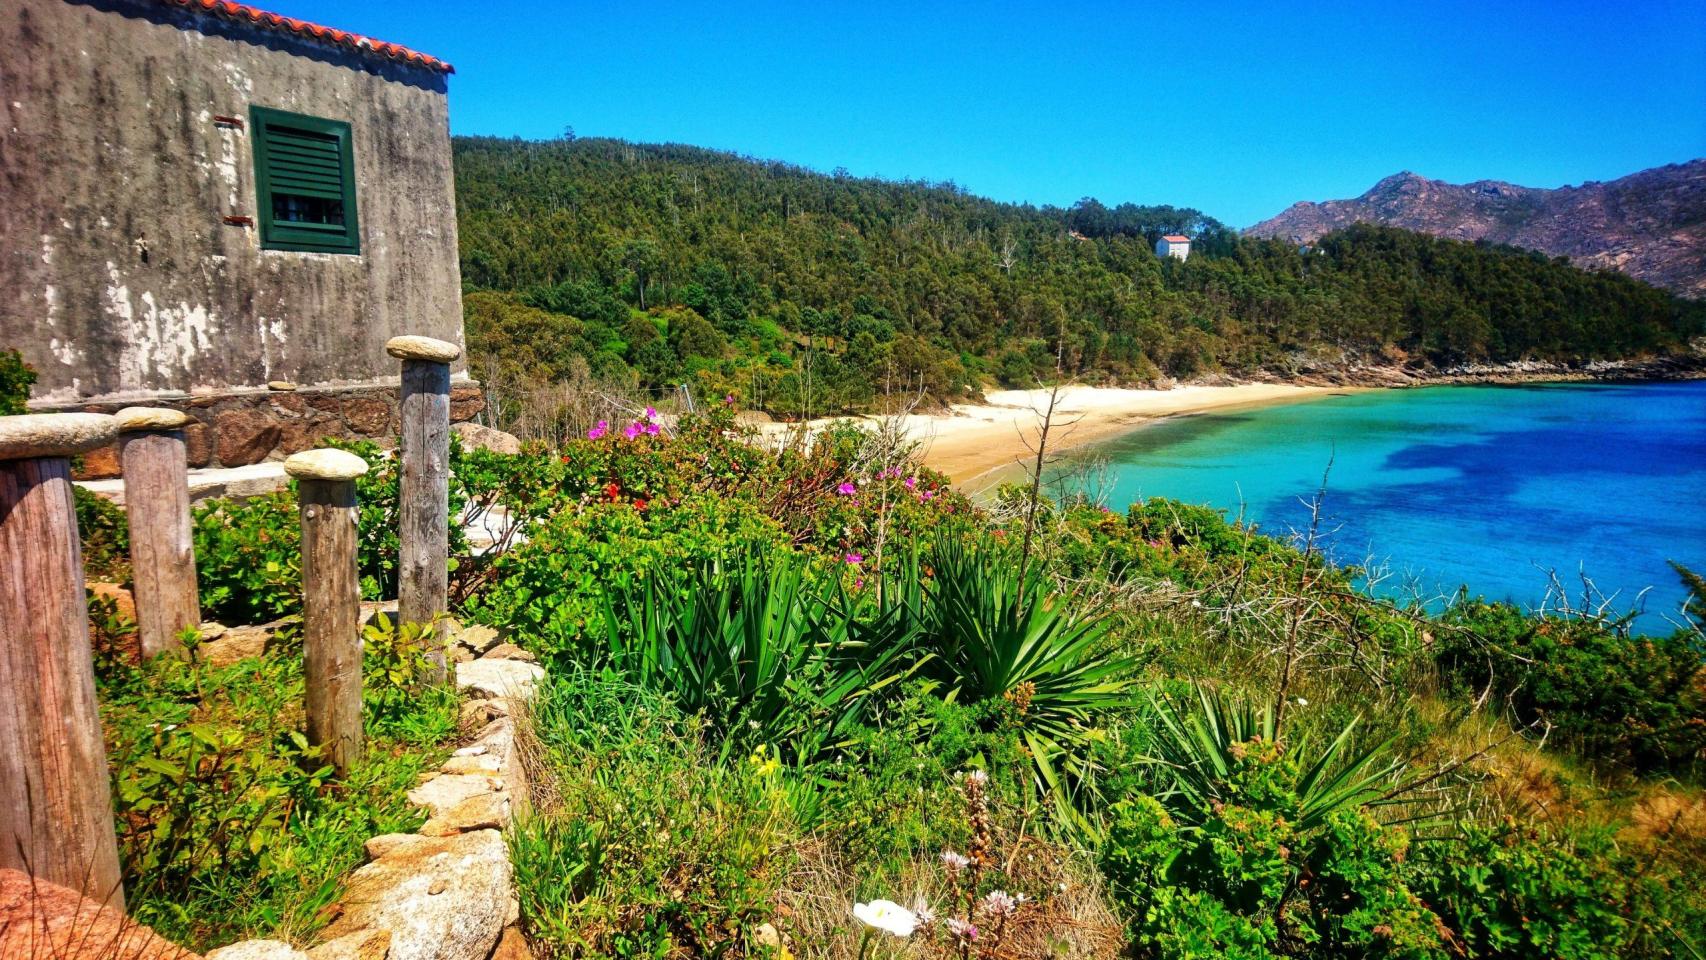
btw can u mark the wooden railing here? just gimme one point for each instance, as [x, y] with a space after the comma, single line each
[56, 818]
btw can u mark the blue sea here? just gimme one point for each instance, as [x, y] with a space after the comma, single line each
[1488, 487]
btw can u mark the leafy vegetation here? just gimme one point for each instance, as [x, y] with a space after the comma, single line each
[248, 552]
[599, 261]
[229, 822]
[1640, 701]
[731, 757]
[788, 681]
[16, 378]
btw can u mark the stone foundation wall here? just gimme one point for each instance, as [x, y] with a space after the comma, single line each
[242, 427]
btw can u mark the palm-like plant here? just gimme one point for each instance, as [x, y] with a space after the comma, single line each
[759, 642]
[992, 632]
[1201, 741]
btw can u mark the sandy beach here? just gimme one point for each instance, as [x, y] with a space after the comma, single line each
[975, 439]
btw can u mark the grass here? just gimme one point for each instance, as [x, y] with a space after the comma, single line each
[645, 840]
[230, 825]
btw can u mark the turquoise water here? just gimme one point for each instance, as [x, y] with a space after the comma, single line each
[1488, 487]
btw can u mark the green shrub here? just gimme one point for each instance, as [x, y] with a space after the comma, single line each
[641, 843]
[890, 788]
[228, 823]
[1509, 893]
[549, 589]
[248, 558]
[105, 532]
[991, 635]
[1634, 701]
[1198, 745]
[16, 378]
[762, 647]
[248, 552]
[1247, 876]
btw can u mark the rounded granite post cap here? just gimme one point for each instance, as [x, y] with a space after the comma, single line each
[422, 348]
[141, 419]
[325, 464]
[32, 435]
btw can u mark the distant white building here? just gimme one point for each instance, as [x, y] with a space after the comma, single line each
[1173, 245]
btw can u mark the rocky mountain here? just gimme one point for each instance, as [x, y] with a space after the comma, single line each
[1650, 225]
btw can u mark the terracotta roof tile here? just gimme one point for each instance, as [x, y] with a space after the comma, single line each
[314, 31]
[1175, 238]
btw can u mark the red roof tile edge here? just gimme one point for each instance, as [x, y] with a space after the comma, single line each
[313, 31]
[1175, 238]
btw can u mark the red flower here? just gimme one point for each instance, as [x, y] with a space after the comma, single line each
[612, 490]
[639, 504]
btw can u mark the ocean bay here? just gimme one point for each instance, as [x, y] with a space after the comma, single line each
[1494, 488]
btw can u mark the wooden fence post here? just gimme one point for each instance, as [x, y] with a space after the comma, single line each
[424, 500]
[157, 503]
[331, 601]
[56, 815]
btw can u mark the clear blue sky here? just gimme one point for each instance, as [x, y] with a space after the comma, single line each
[1237, 109]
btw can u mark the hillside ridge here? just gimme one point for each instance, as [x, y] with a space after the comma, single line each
[1650, 224]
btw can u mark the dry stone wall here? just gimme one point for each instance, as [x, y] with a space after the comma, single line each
[239, 428]
[447, 891]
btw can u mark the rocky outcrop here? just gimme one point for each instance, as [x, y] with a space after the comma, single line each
[477, 436]
[258, 950]
[498, 679]
[1650, 225]
[426, 898]
[41, 920]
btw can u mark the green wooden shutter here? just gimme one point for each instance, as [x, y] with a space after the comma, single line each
[305, 183]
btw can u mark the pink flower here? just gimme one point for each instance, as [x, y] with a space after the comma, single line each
[651, 414]
[962, 930]
[911, 483]
[598, 431]
[927, 495]
[631, 431]
[854, 558]
[859, 584]
[729, 400]
[652, 428]
[847, 489]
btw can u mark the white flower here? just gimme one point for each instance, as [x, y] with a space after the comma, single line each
[887, 916]
[977, 776]
[955, 862]
[922, 911]
[1000, 903]
[1302, 702]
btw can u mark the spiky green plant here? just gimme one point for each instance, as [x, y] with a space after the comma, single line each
[991, 633]
[761, 644]
[1198, 742]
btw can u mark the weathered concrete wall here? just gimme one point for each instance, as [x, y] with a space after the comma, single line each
[118, 278]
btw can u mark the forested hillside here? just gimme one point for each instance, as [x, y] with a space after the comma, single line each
[657, 265]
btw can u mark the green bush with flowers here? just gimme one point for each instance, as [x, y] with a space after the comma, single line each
[814, 702]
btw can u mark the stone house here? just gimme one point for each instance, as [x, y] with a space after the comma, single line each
[1173, 245]
[225, 211]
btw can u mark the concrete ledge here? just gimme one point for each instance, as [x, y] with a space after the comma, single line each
[254, 480]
